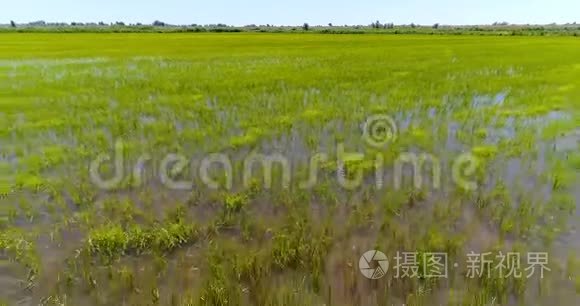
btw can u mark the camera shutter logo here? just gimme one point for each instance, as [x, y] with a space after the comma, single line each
[373, 264]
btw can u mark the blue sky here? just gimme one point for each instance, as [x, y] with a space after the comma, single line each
[293, 12]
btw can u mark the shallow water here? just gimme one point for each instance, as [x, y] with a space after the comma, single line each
[44, 63]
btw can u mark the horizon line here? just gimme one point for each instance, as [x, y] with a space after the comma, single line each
[121, 23]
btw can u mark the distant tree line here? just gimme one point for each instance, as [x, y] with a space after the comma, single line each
[377, 25]
[497, 28]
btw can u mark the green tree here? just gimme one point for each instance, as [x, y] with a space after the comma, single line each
[12, 23]
[306, 26]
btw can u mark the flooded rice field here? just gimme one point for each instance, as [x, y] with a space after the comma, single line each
[207, 169]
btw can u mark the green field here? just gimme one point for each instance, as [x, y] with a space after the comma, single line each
[510, 105]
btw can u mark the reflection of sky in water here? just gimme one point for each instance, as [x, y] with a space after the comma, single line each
[489, 100]
[569, 142]
[50, 62]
